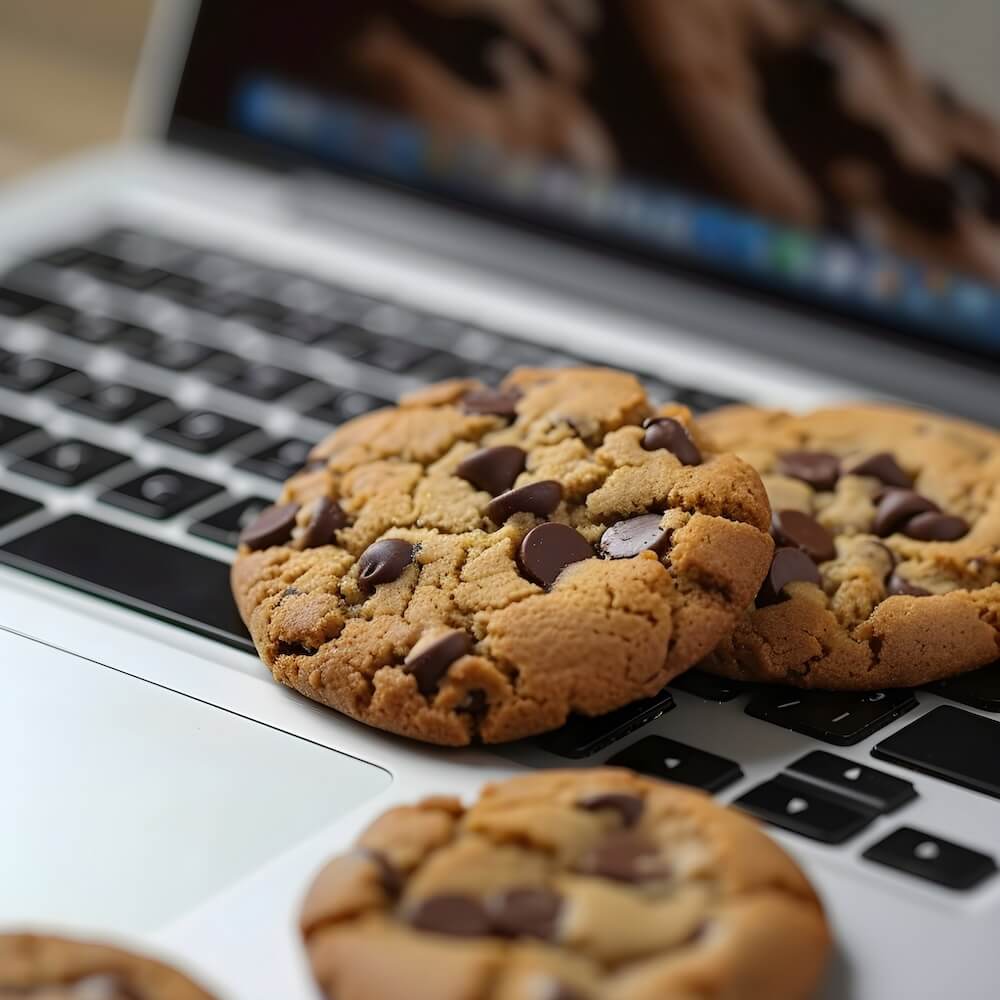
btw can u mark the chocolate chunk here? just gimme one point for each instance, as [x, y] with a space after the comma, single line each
[819, 469]
[896, 507]
[327, 518]
[882, 467]
[525, 912]
[389, 875]
[491, 402]
[788, 566]
[539, 498]
[457, 916]
[384, 561]
[625, 857]
[493, 469]
[272, 526]
[897, 586]
[430, 665]
[548, 549]
[628, 807]
[665, 432]
[934, 527]
[800, 531]
[628, 538]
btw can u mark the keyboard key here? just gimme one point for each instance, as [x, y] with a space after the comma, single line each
[202, 431]
[68, 463]
[306, 328]
[26, 373]
[348, 341]
[978, 688]
[877, 789]
[398, 356]
[110, 402]
[950, 744]
[185, 588]
[441, 365]
[279, 460]
[13, 506]
[345, 405]
[161, 493]
[14, 304]
[11, 429]
[225, 525]
[839, 717]
[708, 686]
[135, 275]
[88, 327]
[220, 367]
[582, 735]
[64, 256]
[701, 401]
[933, 858]
[178, 355]
[135, 341]
[662, 758]
[264, 382]
[805, 809]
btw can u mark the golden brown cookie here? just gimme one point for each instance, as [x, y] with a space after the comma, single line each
[565, 885]
[887, 571]
[479, 563]
[40, 967]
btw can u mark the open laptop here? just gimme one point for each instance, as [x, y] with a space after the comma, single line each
[325, 205]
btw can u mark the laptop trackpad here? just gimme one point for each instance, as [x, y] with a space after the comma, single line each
[124, 804]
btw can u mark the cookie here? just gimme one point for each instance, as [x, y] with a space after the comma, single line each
[887, 571]
[490, 560]
[37, 967]
[565, 885]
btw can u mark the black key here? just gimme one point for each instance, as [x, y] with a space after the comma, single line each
[258, 312]
[161, 493]
[64, 256]
[13, 506]
[839, 717]
[88, 327]
[582, 735]
[345, 405]
[68, 463]
[128, 274]
[185, 588]
[135, 341]
[179, 288]
[876, 789]
[978, 688]
[950, 744]
[933, 858]
[15, 304]
[11, 429]
[442, 365]
[110, 402]
[221, 367]
[224, 302]
[701, 401]
[306, 328]
[397, 356]
[349, 341]
[708, 686]
[225, 525]
[805, 809]
[265, 382]
[202, 431]
[26, 373]
[178, 355]
[278, 460]
[662, 758]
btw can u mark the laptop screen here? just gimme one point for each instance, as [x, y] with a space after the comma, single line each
[841, 153]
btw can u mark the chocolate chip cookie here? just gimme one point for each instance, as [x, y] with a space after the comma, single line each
[478, 563]
[36, 967]
[887, 570]
[565, 885]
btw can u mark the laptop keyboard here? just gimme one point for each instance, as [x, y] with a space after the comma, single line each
[233, 370]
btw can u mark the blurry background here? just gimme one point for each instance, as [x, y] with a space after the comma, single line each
[67, 65]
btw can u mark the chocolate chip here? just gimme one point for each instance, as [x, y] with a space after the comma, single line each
[493, 469]
[628, 538]
[432, 663]
[882, 467]
[384, 561]
[788, 566]
[548, 549]
[327, 518]
[628, 807]
[491, 402]
[897, 586]
[525, 912]
[898, 506]
[272, 526]
[624, 856]
[934, 527]
[665, 432]
[390, 877]
[457, 916]
[539, 498]
[819, 469]
[800, 531]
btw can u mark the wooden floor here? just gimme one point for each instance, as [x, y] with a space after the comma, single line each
[66, 70]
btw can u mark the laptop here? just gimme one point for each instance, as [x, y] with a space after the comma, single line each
[321, 206]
